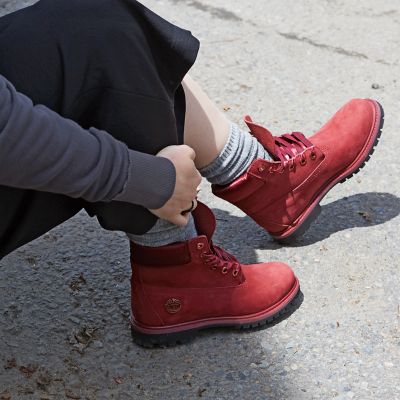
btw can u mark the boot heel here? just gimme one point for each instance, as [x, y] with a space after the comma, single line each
[303, 227]
[163, 340]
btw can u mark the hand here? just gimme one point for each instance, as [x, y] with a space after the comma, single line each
[188, 179]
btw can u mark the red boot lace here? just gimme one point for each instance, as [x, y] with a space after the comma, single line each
[220, 258]
[291, 146]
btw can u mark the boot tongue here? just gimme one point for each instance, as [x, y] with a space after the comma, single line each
[263, 135]
[204, 220]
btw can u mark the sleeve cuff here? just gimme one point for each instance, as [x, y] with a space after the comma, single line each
[150, 180]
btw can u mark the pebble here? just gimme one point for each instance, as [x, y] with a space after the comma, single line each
[364, 385]
[290, 345]
[229, 377]
[242, 376]
[265, 364]
[74, 320]
[388, 364]
[98, 344]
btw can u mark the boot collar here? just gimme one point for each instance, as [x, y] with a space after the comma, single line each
[178, 253]
[172, 254]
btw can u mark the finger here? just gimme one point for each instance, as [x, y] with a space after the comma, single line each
[190, 152]
[188, 209]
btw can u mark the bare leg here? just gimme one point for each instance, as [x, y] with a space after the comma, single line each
[206, 128]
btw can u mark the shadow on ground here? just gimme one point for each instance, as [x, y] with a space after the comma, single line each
[357, 211]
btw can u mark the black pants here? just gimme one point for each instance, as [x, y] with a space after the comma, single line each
[111, 64]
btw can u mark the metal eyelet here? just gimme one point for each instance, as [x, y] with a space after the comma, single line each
[235, 273]
[303, 162]
[291, 167]
[224, 270]
[261, 168]
[313, 156]
[200, 246]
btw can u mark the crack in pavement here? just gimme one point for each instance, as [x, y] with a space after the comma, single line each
[334, 49]
[218, 12]
[223, 13]
[384, 14]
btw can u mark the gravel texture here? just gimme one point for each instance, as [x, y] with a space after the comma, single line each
[64, 299]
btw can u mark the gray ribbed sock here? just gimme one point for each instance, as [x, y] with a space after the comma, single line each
[239, 152]
[164, 232]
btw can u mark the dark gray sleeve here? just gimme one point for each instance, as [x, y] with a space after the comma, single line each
[43, 151]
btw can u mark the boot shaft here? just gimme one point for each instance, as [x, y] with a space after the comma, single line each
[280, 195]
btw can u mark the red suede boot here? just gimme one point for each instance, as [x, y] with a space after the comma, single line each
[283, 196]
[182, 288]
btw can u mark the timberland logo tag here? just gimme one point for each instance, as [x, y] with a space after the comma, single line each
[173, 306]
